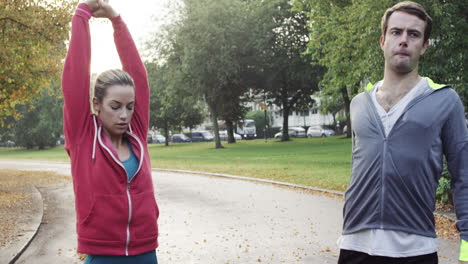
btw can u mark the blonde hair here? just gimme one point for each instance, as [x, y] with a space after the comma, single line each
[110, 78]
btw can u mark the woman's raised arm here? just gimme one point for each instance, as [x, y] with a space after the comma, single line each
[133, 65]
[76, 75]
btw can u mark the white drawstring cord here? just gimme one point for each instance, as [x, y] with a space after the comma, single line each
[95, 137]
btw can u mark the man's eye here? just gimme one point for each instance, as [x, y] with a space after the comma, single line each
[395, 33]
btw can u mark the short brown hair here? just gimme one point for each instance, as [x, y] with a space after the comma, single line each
[410, 8]
[110, 78]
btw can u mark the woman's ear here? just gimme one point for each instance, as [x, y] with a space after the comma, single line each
[96, 105]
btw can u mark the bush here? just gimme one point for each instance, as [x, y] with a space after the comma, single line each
[41, 123]
[444, 192]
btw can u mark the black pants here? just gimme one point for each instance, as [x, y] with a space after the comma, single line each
[355, 257]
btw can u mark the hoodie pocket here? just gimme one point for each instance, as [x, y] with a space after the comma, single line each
[146, 212]
[107, 218]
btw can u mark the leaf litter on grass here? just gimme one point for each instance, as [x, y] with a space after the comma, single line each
[16, 199]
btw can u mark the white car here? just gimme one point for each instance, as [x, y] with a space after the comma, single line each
[297, 132]
[319, 131]
[224, 136]
[159, 139]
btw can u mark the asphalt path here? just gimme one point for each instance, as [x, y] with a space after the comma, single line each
[210, 220]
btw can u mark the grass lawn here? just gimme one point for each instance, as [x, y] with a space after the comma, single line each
[319, 162]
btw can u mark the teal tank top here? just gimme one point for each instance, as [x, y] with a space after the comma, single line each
[131, 164]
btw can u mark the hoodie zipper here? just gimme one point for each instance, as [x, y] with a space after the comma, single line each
[130, 212]
[129, 218]
[385, 142]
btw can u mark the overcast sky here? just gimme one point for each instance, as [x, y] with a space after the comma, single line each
[140, 18]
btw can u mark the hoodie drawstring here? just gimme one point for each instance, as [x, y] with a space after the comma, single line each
[95, 138]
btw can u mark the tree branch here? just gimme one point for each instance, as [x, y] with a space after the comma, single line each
[33, 30]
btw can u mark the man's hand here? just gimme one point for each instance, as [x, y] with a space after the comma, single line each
[104, 9]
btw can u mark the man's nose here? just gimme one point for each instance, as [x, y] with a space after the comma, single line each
[404, 39]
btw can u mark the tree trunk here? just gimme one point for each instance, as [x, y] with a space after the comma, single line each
[214, 120]
[347, 102]
[166, 132]
[286, 109]
[230, 132]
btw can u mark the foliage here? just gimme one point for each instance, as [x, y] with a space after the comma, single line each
[41, 123]
[289, 77]
[171, 106]
[209, 46]
[32, 47]
[331, 105]
[344, 38]
[444, 192]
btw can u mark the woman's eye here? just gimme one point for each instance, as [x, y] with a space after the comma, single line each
[114, 107]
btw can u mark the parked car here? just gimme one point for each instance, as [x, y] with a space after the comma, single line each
[223, 135]
[178, 138]
[247, 129]
[8, 144]
[149, 138]
[297, 132]
[201, 136]
[319, 131]
[159, 139]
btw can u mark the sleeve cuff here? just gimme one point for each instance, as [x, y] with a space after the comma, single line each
[463, 250]
[84, 10]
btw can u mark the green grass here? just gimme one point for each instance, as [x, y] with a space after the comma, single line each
[319, 162]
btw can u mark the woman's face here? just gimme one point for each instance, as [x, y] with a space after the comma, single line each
[116, 109]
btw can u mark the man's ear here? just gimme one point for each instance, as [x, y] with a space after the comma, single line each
[96, 105]
[425, 45]
[382, 41]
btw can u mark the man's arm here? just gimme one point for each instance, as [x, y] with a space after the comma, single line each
[455, 140]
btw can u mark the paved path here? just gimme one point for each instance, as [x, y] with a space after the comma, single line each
[212, 220]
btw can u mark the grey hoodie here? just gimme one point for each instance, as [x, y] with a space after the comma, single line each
[394, 178]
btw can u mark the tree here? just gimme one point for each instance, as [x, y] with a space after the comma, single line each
[331, 105]
[211, 44]
[289, 77]
[32, 35]
[171, 106]
[41, 123]
[344, 38]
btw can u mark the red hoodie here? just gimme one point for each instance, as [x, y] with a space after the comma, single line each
[113, 216]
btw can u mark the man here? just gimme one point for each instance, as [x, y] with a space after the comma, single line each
[402, 128]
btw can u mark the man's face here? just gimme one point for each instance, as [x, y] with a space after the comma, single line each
[403, 42]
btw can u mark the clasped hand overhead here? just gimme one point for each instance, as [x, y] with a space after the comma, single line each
[101, 8]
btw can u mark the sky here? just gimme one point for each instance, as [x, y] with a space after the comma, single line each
[143, 17]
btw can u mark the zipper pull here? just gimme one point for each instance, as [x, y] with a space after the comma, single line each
[128, 186]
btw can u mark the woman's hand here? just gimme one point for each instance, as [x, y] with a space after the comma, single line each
[104, 9]
[94, 4]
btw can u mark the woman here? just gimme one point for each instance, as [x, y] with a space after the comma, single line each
[114, 198]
